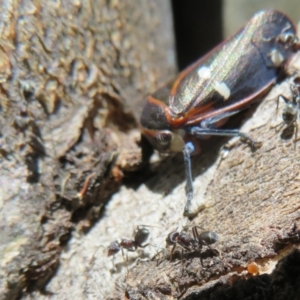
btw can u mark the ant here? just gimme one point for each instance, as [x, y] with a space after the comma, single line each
[195, 243]
[291, 110]
[140, 236]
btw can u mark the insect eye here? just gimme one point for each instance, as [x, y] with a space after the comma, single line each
[164, 137]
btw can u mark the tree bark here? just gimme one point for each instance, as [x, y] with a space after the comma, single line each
[72, 78]
[73, 75]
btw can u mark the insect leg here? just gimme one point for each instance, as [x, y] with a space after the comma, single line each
[113, 262]
[196, 237]
[123, 255]
[206, 128]
[125, 260]
[182, 262]
[198, 131]
[172, 251]
[189, 190]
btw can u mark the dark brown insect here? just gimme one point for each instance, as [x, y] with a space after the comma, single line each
[191, 243]
[179, 116]
[140, 236]
[291, 111]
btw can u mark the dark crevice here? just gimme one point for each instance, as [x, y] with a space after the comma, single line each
[198, 28]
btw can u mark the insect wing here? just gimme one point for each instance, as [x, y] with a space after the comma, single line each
[231, 74]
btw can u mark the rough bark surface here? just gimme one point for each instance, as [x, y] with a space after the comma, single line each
[73, 75]
[250, 198]
[72, 78]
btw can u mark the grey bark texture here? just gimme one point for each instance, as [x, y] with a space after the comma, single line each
[72, 78]
[73, 75]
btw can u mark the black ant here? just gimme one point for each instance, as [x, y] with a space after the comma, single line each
[195, 243]
[140, 236]
[291, 110]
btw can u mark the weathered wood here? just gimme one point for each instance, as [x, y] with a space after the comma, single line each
[249, 198]
[73, 75]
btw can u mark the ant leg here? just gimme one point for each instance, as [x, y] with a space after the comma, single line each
[113, 262]
[158, 251]
[127, 263]
[197, 226]
[94, 255]
[172, 251]
[284, 99]
[182, 262]
[296, 134]
[201, 261]
[123, 254]
[195, 233]
[125, 260]
[159, 260]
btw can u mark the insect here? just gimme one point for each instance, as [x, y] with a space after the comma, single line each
[194, 243]
[221, 84]
[290, 113]
[140, 236]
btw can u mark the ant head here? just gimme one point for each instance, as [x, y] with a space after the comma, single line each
[113, 248]
[141, 235]
[172, 237]
[297, 81]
